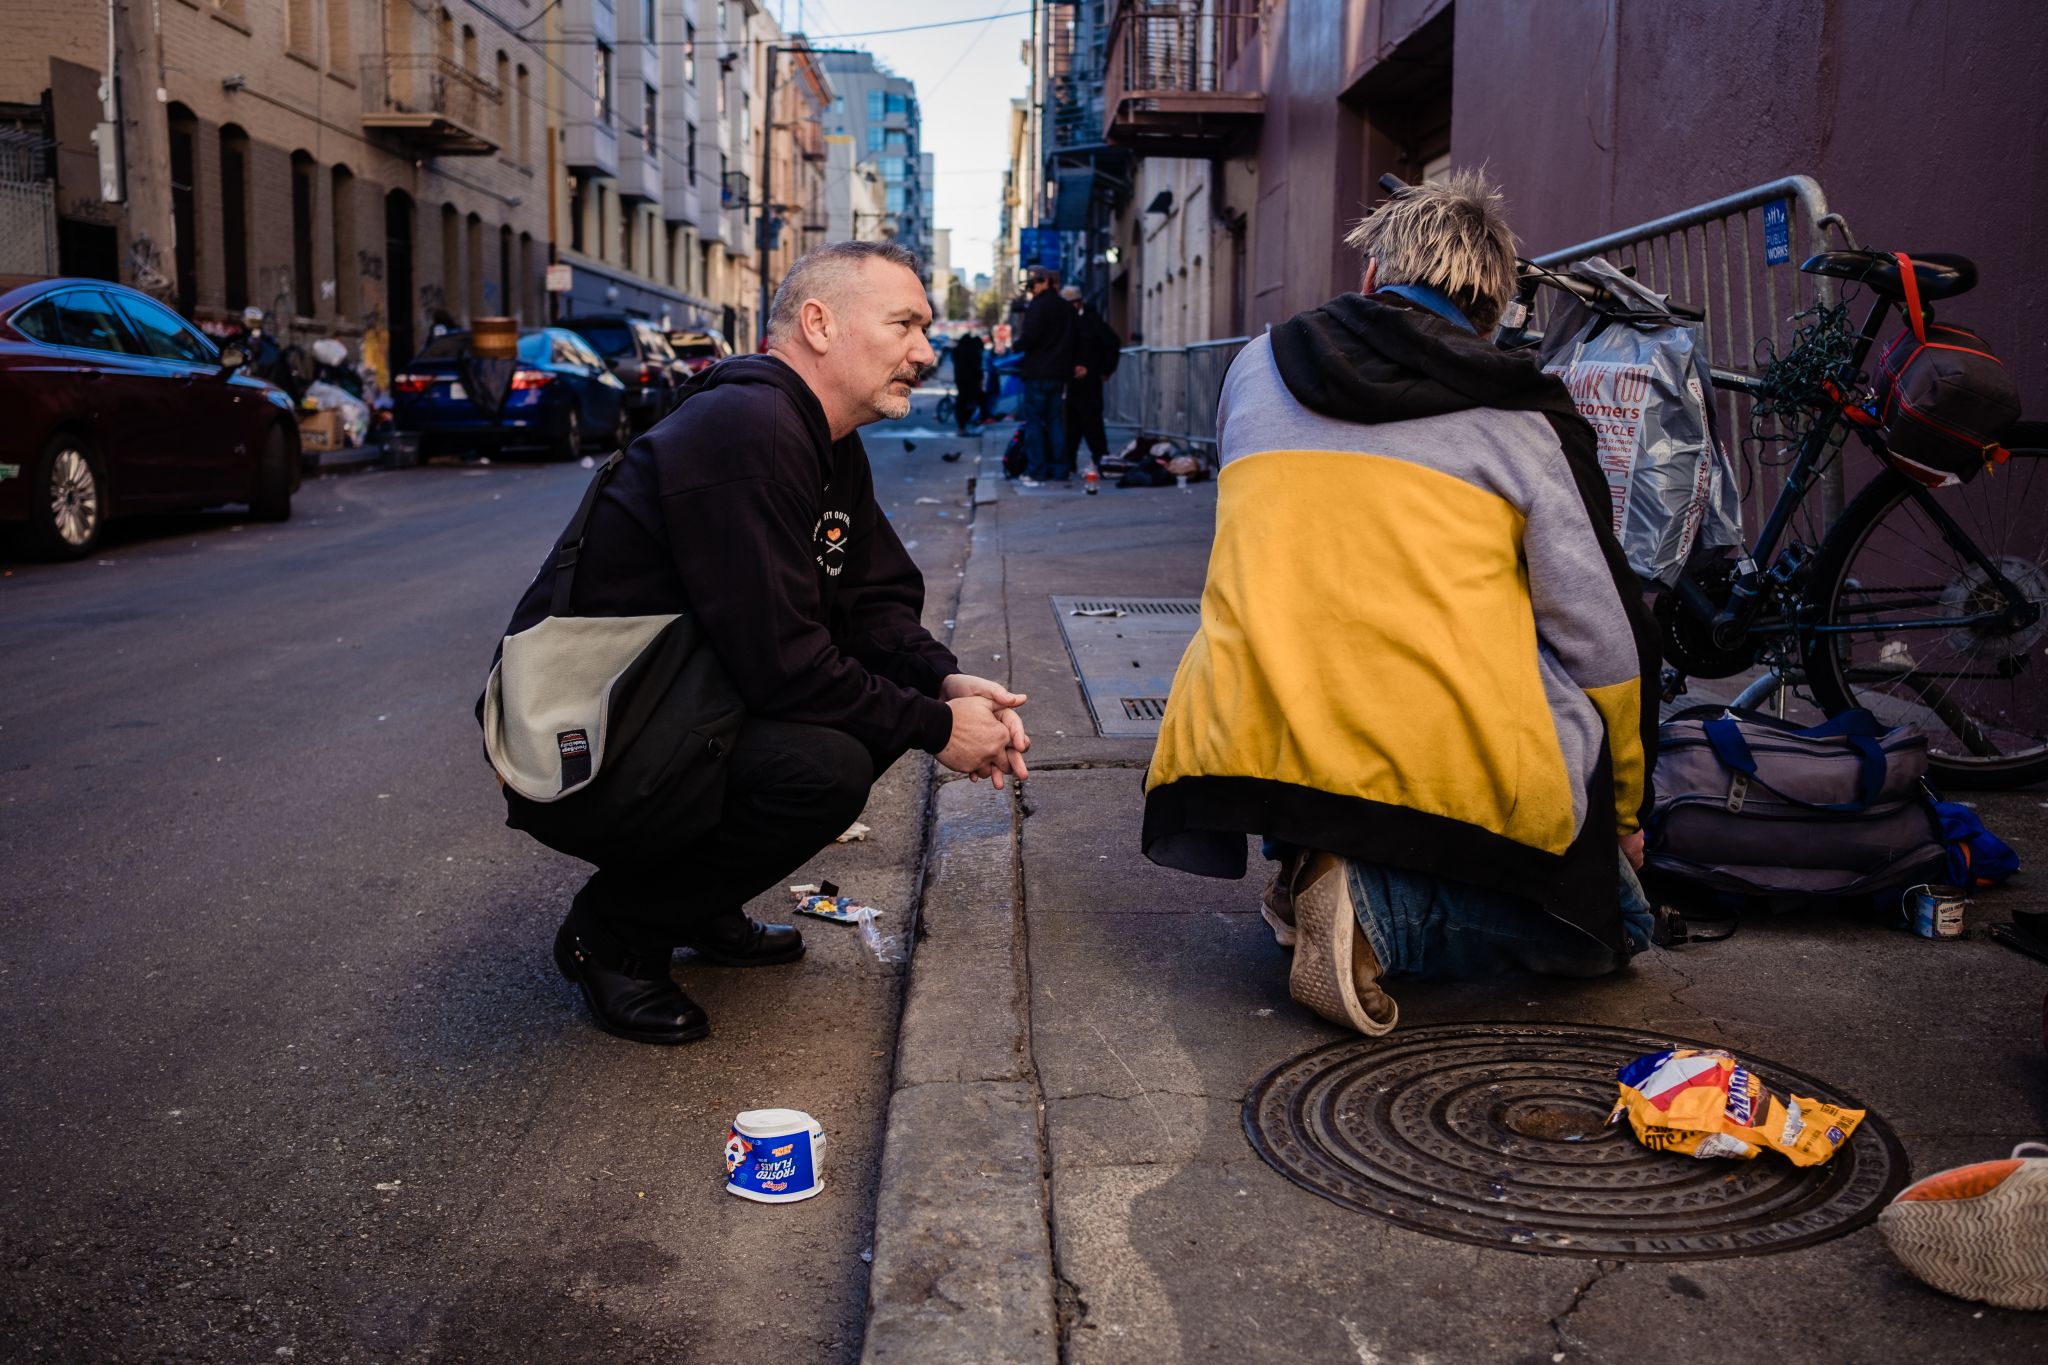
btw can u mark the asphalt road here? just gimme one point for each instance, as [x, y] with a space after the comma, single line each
[288, 1070]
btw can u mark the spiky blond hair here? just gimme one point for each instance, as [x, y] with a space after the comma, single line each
[1452, 235]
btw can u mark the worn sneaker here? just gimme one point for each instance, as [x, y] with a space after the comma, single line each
[1334, 971]
[1978, 1232]
[1276, 906]
[1026, 481]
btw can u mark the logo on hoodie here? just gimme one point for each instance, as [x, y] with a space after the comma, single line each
[831, 534]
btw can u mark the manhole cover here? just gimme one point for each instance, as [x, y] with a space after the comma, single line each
[1494, 1134]
[1125, 651]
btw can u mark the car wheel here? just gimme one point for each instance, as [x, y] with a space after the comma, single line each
[67, 501]
[569, 440]
[273, 500]
[622, 430]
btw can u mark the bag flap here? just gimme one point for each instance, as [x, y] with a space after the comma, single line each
[546, 702]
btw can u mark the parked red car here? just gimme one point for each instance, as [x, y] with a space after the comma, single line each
[113, 404]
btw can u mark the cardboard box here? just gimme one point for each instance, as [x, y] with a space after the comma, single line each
[320, 431]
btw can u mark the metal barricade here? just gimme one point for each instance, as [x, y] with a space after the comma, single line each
[1170, 391]
[1712, 257]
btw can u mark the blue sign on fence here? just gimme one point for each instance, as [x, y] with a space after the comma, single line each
[1777, 232]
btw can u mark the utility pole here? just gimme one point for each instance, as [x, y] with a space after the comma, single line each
[134, 138]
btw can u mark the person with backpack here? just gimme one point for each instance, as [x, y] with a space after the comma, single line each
[1097, 351]
[1423, 672]
[1048, 338]
[752, 510]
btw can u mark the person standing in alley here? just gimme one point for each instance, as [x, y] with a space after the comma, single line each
[967, 359]
[1423, 672]
[1096, 352]
[1047, 339]
[761, 468]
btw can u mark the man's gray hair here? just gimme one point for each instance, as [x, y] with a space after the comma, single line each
[823, 273]
[1452, 236]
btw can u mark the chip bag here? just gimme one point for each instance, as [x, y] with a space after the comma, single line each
[1703, 1102]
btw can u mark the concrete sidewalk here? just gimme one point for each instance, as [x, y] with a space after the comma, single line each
[1067, 1174]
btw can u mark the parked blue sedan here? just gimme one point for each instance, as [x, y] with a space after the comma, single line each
[558, 397]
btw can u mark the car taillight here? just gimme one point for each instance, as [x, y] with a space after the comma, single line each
[412, 383]
[647, 374]
[531, 379]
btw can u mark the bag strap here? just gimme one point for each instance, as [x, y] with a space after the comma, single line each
[572, 539]
[1916, 315]
[1731, 747]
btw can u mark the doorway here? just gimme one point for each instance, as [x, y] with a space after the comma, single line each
[398, 306]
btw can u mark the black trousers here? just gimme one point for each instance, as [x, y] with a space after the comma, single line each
[1084, 420]
[966, 406]
[790, 790]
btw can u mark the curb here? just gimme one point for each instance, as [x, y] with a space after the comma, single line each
[963, 1264]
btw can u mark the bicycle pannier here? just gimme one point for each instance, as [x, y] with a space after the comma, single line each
[1944, 401]
[602, 728]
[1761, 807]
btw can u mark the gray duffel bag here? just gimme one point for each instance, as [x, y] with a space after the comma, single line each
[1759, 806]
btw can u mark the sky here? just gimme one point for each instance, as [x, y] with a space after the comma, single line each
[966, 74]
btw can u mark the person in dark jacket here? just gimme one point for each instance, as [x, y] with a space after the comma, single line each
[752, 507]
[1097, 351]
[1047, 340]
[967, 355]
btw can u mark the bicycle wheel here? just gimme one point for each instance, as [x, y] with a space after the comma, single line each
[1887, 569]
[945, 410]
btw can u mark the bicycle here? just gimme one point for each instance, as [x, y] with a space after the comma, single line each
[1919, 605]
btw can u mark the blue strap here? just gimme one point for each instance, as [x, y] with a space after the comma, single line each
[1731, 747]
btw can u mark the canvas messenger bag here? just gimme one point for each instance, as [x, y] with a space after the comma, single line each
[1759, 806]
[608, 731]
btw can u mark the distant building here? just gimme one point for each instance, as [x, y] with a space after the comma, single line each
[941, 263]
[879, 112]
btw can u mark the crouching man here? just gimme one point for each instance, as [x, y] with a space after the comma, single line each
[1422, 665]
[752, 508]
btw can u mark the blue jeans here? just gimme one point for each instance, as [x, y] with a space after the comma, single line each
[1045, 429]
[1425, 928]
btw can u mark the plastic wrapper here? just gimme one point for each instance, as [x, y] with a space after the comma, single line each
[1705, 1103]
[1640, 379]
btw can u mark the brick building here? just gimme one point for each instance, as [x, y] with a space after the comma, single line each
[352, 167]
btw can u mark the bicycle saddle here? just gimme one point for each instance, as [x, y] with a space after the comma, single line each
[1940, 274]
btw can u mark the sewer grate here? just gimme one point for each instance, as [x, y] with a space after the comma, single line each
[1496, 1135]
[1125, 651]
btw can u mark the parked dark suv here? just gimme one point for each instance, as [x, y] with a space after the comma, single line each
[639, 355]
[110, 403]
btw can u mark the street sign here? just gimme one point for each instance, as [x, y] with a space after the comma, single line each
[561, 279]
[1777, 232]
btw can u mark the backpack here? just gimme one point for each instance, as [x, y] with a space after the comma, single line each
[1758, 806]
[1944, 401]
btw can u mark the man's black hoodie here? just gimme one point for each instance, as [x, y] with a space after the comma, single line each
[741, 509]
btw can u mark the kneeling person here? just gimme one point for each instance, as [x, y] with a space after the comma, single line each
[752, 508]
[1422, 662]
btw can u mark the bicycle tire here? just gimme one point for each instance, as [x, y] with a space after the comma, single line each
[945, 409]
[1847, 557]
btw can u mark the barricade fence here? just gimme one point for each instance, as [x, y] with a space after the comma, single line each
[1714, 257]
[1170, 391]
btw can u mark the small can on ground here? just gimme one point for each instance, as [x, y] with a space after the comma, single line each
[1936, 911]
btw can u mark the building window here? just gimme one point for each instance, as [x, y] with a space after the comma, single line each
[579, 205]
[234, 214]
[525, 83]
[507, 305]
[340, 46]
[451, 260]
[689, 53]
[184, 219]
[874, 106]
[893, 167]
[602, 90]
[469, 50]
[690, 152]
[874, 139]
[475, 247]
[650, 118]
[647, 20]
[893, 200]
[302, 233]
[505, 102]
[341, 205]
[721, 18]
[627, 223]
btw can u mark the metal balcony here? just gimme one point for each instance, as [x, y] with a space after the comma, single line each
[430, 104]
[1163, 90]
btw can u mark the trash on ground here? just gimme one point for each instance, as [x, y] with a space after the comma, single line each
[882, 945]
[835, 907]
[1935, 911]
[775, 1156]
[588, 462]
[931, 502]
[855, 832]
[1703, 1102]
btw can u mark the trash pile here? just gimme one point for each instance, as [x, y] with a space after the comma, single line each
[1703, 1102]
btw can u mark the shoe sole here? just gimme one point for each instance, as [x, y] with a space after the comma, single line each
[1989, 1249]
[566, 965]
[1320, 976]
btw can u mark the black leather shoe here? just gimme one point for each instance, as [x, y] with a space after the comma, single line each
[633, 997]
[741, 941]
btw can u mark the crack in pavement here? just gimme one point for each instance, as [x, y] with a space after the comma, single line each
[1601, 1270]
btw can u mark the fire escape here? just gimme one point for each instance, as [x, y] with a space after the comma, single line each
[1165, 80]
[430, 105]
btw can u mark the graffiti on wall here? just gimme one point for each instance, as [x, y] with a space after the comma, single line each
[145, 267]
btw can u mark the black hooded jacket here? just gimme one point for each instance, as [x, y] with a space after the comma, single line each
[742, 510]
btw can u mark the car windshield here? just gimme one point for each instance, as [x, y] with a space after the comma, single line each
[447, 346]
[612, 339]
